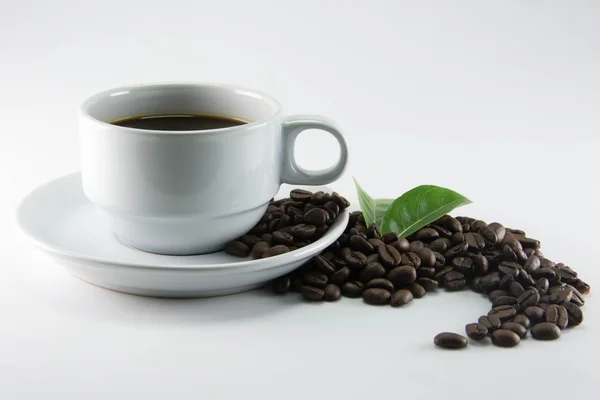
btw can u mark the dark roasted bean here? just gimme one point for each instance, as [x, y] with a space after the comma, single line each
[427, 257]
[525, 279]
[389, 237]
[454, 281]
[475, 241]
[477, 225]
[282, 238]
[250, 240]
[575, 314]
[505, 313]
[507, 254]
[439, 260]
[504, 301]
[544, 273]
[401, 297]
[490, 282]
[340, 276]
[516, 289]
[561, 296]
[529, 298]
[506, 281]
[353, 289]
[476, 331]
[439, 275]
[557, 315]
[529, 243]
[259, 249]
[402, 276]
[361, 244]
[443, 232]
[545, 263]
[425, 272]
[457, 238]
[315, 279]
[440, 245]
[456, 251]
[237, 248]
[427, 235]
[491, 322]
[324, 265]
[505, 338]
[312, 293]
[463, 265]
[466, 228]
[532, 264]
[417, 290]
[577, 297]
[428, 284]
[354, 259]
[497, 293]
[342, 202]
[376, 243]
[415, 245]
[520, 330]
[545, 331]
[316, 217]
[535, 314]
[333, 206]
[480, 265]
[499, 230]
[373, 232]
[319, 198]
[453, 225]
[303, 231]
[371, 271]
[509, 268]
[521, 319]
[389, 256]
[300, 195]
[489, 235]
[376, 296]
[281, 285]
[476, 284]
[582, 286]
[372, 258]
[331, 293]
[402, 245]
[450, 340]
[410, 258]
[380, 283]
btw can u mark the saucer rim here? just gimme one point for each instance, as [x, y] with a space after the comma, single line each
[336, 229]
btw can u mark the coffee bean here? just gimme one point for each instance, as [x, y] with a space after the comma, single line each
[373, 232]
[428, 284]
[354, 259]
[376, 296]
[249, 240]
[466, 228]
[476, 331]
[577, 297]
[565, 273]
[267, 237]
[401, 297]
[520, 330]
[477, 225]
[427, 257]
[331, 293]
[342, 202]
[545, 331]
[582, 286]
[505, 338]
[259, 249]
[389, 237]
[361, 244]
[284, 222]
[333, 206]
[557, 315]
[480, 265]
[410, 258]
[300, 195]
[575, 314]
[401, 245]
[281, 285]
[509, 268]
[425, 272]
[440, 245]
[237, 248]
[417, 290]
[453, 225]
[319, 198]
[439, 275]
[371, 271]
[440, 261]
[312, 293]
[427, 235]
[463, 265]
[491, 322]
[561, 296]
[505, 313]
[506, 281]
[449, 340]
[529, 243]
[457, 238]
[507, 254]
[544, 273]
[545, 263]
[454, 280]
[529, 298]
[489, 236]
[516, 289]
[372, 258]
[442, 232]
[402, 276]
[521, 319]
[504, 301]
[525, 279]
[389, 256]
[316, 217]
[456, 251]
[511, 242]
[490, 282]
[493, 295]
[353, 289]
[324, 265]
[535, 314]
[292, 211]
[532, 264]
[544, 299]
[283, 238]
[340, 276]
[476, 285]
[380, 283]
[475, 241]
[376, 243]
[415, 245]
[315, 279]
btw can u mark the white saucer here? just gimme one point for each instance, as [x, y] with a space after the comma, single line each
[62, 222]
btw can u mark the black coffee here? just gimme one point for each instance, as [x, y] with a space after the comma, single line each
[179, 122]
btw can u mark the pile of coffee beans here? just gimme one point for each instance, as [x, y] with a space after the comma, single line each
[528, 292]
[289, 224]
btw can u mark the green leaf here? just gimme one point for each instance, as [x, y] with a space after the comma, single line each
[373, 209]
[419, 207]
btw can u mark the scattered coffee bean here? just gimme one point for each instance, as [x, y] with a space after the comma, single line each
[521, 319]
[463, 265]
[417, 290]
[410, 258]
[401, 297]
[361, 244]
[575, 314]
[454, 280]
[504, 301]
[557, 315]
[402, 276]
[505, 338]
[497, 293]
[312, 293]
[275, 251]
[491, 322]
[450, 340]
[258, 250]
[530, 297]
[440, 245]
[505, 313]
[428, 284]
[535, 314]
[545, 331]
[415, 246]
[476, 331]
[519, 329]
[427, 257]
[389, 256]
[238, 249]
[331, 292]
[516, 289]
[376, 296]
[380, 283]
[402, 245]
[340, 276]
[353, 289]
[281, 285]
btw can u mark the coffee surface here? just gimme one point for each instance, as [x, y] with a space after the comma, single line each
[179, 122]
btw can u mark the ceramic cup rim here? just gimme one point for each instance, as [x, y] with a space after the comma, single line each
[235, 89]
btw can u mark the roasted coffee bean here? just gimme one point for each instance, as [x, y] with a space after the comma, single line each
[308, 207]
[353, 231]
[266, 218]
[505, 313]
[440, 245]
[466, 228]
[376, 296]
[410, 258]
[401, 245]
[258, 250]
[505, 338]
[425, 272]
[489, 235]
[504, 301]
[525, 279]
[535, 314]
[521, 319]
[520, 330]
[545, 331]
[516, 289]
[389, 256]
[449, 340]
[331, 293]
[312, 293]
[417, 290]
[298, 219]
[315, 279]
[259, 229]
[463, 265]
[529, 243]
[303, 231]
[372, 258]
[476, 331]
[477, 225]
[427, 235]
[442, 232]
[284, 222]
[475, 241]
[529, 252]
[340, 276]
[389, 237]
[545, 299]
[333, 206]
[582, 286]
[371, 271]
[320, 198]
[511, 242]
[457, 238]
[439, 260]
[275, 251]
[282, 238]
[376, 243]
[577, 297]
[281, 285]
[237, 248]
[544, 273]
[428, 284]
[529, 298]
[373, 232]
[324, 265]
[300, 195]
[507, 254]
[353, 289]
[292, 211]
[509, 268]
[439, 275]
[380, 283]
[575, 314]
[521, 256]
[354, 259]
[361, 244]
[456, 251]
[506, 281]
[480, 265]
[402, 276]
[499, 229]
[452, 224]
[490, 282]
[491, 322]
[249, 240]
[427, 257]
[497, 293]
[342, 202]
[565, 275]
[476, 285]
[267, 237]
[338, 262]
[557, 315]
[545, 263]
[401, 297]
[316, 217]
[454, 280]
[415, 246]
[561, 296]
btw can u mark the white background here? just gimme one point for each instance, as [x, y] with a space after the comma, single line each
[497, 100]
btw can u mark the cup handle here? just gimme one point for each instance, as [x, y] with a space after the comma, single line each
[291, 172]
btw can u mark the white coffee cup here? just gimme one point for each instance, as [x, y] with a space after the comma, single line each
[191, 192]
